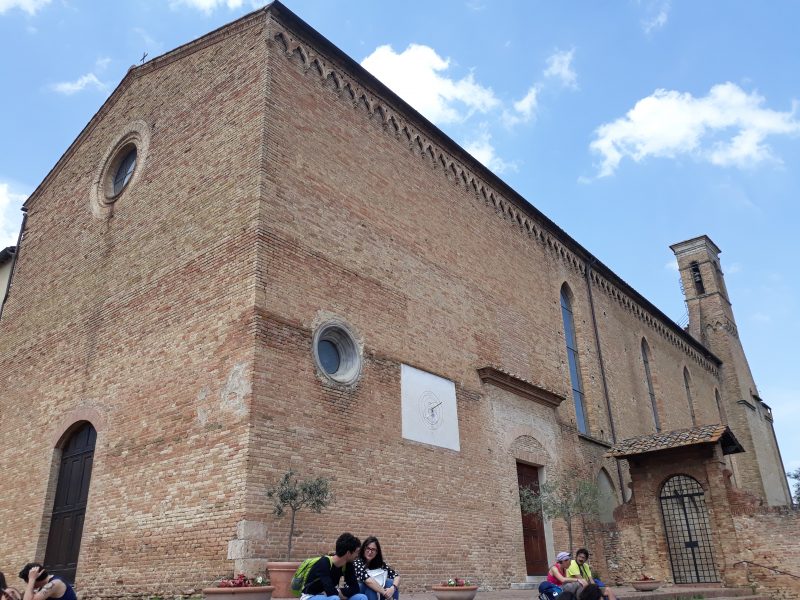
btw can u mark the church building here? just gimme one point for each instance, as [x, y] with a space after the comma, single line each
[257, 258]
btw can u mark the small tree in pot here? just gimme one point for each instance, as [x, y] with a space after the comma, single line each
[293, 495]
[564, 499]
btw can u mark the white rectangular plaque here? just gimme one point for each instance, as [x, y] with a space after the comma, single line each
[429, 408]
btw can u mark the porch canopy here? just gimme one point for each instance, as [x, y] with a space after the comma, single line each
[703, 434]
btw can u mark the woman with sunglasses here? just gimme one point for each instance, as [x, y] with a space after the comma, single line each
[375, 578]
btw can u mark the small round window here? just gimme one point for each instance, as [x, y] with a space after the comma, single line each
[336, 353]
[122, 164]
[124, 172]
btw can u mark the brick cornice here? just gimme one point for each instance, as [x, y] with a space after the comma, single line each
[520, 387]
[318, 57]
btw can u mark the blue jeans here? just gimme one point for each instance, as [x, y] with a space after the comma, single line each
[371, 594]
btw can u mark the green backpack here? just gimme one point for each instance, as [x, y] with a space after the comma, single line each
[300, 578]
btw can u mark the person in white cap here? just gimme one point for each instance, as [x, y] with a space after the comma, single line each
[557, 575]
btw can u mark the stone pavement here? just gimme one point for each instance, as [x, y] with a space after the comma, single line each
[681, 592]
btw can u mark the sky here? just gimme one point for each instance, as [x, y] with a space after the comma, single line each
[631, 124]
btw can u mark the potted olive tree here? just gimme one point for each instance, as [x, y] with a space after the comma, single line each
[564, 499]
[293, 495]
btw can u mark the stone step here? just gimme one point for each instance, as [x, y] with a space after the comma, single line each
[680, 592]
[685, 593]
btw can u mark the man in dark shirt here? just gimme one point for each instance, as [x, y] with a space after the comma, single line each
[323, 579]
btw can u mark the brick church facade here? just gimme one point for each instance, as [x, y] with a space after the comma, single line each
[255, 258]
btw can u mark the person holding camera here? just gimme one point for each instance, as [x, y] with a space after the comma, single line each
[41, 585]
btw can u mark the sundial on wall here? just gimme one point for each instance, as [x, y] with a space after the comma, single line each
[430, 409]
[428, 406]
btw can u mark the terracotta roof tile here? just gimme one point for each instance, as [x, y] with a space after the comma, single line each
[704, 434]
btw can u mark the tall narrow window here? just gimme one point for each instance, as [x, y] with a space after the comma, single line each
[648, 375]
[697, 278]
[687, 383]
[572, 358]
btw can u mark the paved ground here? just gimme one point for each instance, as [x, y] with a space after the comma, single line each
[622, 592]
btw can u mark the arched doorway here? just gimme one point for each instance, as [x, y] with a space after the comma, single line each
[69, 506]
[533, 538]
[688, 533]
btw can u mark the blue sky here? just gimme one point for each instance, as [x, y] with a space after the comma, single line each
[633, 125]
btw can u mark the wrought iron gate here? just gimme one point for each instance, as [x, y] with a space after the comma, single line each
[683, 507]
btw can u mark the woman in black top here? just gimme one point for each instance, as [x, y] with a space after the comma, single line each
[375, 577]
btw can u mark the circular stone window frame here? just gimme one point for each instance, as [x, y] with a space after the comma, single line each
[102, 197]
[351, 359]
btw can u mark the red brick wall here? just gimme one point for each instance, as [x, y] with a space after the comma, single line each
[144, 318]
[770, 537]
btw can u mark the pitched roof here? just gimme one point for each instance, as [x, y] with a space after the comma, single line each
[704, 434]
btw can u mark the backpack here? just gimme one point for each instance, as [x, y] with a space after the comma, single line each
[300, 577]
[548, 591]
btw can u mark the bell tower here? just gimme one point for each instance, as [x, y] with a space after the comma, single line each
[759, 469]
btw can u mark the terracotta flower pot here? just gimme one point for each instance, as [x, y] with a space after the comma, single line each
[256, 592]
[280, 575]
[646, 585]
[454, 592]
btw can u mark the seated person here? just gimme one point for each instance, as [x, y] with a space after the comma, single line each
[557, 575]
[591, 592]
[374, 576]
[41, 585]
[7, 593]
[323, 579]
[580, 568]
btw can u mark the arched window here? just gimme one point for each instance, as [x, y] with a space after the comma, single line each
[697, 278]
[648, 375]
[687, 383]
[572, 358]
[606, 497]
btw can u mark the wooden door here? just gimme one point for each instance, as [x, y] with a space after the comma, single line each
[532, 525]
[69, 507]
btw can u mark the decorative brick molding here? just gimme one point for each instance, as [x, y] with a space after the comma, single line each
[526, 219]
[67, 423]
[519, 386]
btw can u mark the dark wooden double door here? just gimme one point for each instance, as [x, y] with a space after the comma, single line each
[532, 525]
[69, 507]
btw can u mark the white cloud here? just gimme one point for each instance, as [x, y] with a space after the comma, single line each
[672, 265]
[418, 76]
[733, 268]
[10, 215]
[101, 63]
[207, 6]
[657, 21]
[524, 108]
[29, 6]
[761, 317]
[482, 149]
[559, 66]
[71, 87]
[527, 106]
[728, 127]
